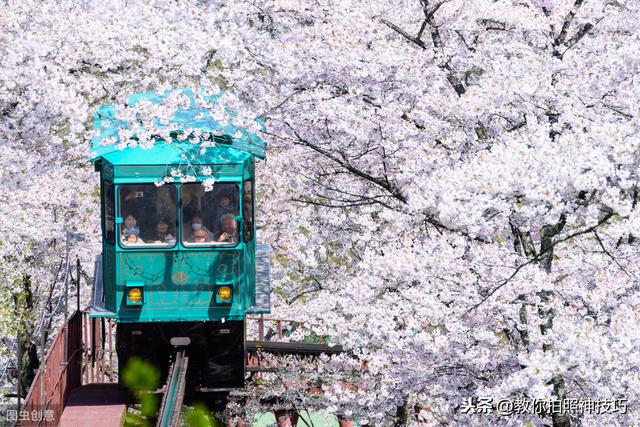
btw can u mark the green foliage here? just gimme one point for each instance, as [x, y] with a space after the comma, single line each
[304, 231]
[142, 378]
[140, 375]
[95, 192]
[148, 404]
[198, 416]
[314, 338]
[136, 420]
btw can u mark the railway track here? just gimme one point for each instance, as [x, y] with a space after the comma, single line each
[170, 414]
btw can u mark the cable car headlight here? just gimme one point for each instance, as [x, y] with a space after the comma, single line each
[224, 294]
[134, 293]
[135, 296]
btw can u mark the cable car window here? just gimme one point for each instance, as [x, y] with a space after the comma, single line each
[247, 210]
[109, 212]
[209, 217]
[149, 215]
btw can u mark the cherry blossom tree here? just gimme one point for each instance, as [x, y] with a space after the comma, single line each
[463, 180]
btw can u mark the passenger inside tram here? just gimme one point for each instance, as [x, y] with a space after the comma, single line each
[228, 229]
[130, 230]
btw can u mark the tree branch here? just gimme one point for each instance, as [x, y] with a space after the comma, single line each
[415, 40]
[393, 190]
[595, 233]
[579, 35]
[435, 37]
[538, 257]
[567, 23]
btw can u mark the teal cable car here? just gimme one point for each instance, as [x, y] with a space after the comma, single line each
[180, 264]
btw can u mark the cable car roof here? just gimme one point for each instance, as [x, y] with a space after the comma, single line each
[224, 144]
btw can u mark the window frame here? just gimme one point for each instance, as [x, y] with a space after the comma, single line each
[105, 217]
[245, 238]
[146, 246]
[212, 244]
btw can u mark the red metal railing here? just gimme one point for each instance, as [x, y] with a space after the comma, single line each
[88, 358]
[261, 320]
[54, 380]
[265, 326]
[99, 353]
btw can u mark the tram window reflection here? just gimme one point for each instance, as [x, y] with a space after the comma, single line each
[149, 215]
[109, 212]
[163, 233]
[202, 213]
[247, 209]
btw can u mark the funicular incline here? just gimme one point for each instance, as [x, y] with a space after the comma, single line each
[170, 410]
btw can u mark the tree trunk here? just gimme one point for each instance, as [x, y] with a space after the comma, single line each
[29, 362]
[546, 251]
[402, 415]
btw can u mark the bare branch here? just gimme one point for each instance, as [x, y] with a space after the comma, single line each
[595, 233]
[435, 37]
[422, 28]
[537, 258]
[394, 191]
[318, 287]
[404, 34]
[579, 35]
[428, 14]
[567, 23]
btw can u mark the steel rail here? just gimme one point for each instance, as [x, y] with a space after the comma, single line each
[171, 408]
